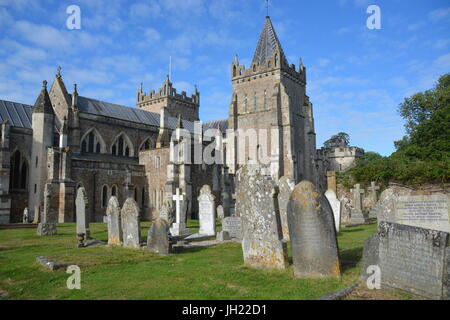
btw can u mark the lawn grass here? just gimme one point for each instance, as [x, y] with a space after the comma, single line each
[120, 273]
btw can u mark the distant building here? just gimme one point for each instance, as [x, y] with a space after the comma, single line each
[340, 157]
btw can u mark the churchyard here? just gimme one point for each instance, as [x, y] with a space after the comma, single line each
[215, 272]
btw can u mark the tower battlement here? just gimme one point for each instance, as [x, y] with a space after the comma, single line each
[167, 97]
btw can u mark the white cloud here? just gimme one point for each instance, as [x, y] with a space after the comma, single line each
[439, 14]
[149, 9]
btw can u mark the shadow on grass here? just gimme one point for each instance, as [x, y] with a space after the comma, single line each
[351, 257]
[350, 230]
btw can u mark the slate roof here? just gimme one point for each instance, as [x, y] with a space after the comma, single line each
[18, 114]
[267, 44]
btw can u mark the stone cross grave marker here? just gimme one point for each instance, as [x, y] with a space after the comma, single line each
[207, 212]
[81, 208]
[179, 227]
[114, 222]
[356, 214]
[47, 226]
[131, 227]
[373, 192]
[313, 233]
[335, 206]
[256, 198]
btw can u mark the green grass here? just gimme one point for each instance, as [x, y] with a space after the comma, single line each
[119, 273]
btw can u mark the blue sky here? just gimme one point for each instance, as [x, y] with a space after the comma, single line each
[356, 76]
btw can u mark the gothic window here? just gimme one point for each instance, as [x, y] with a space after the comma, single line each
[147, 145]
[240, 72]
[104, 196]
[254, 68]
[19, 171]
[122, 146]
[92, 142]
[114, 191]
[276, 60]
[234, 71]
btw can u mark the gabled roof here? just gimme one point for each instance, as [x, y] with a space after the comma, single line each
[267, 44]
[18, 114]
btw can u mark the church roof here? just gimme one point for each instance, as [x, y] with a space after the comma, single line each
[108, 109]
[18, 114]
[267, 44]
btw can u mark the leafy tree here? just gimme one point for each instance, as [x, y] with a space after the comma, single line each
[337, 140]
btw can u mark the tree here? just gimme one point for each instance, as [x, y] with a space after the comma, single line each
[340, 139]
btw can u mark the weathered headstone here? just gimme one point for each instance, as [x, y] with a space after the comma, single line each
[286, 186]
[335, 206]
[220, 213]
[256, 203]
[179, 226]
[25, 215]
[47, 226]
[415, 259]
[312, 232]
[233, 226]
[370, 255]
[114, 222]
[158, 238]
[131, 227]
[388, 201]
[167, 213]
[223, 236]
[356, 214]
[424, 211]
[81, 208]
[373, 192]
[207, 215]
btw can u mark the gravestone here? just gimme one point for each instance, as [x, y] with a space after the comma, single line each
[167, 213]
[81, 208]
[131, 227]
[179, 226]
[256, 203]
[414, 259]
[114, 222]
[356, 214]
[233, 226]
[206, 212]
[47, 226]
[373, 192]
[335, 206]
[424, 211]
[286, 186]
[388, 201]
[220, 213]
[370, 255]
[223, 236]
[158, 238]
[25, 215]
[313, 233]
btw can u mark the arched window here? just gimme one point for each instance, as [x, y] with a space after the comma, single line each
[234, 71]
[92, 142]
[114, 191]
[254, 68]
[147, 144]
[122, 146]
[240, 72]
[104, 196]
[276, 59]
[18, 171]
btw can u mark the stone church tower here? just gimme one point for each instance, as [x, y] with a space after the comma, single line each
[271, 95]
